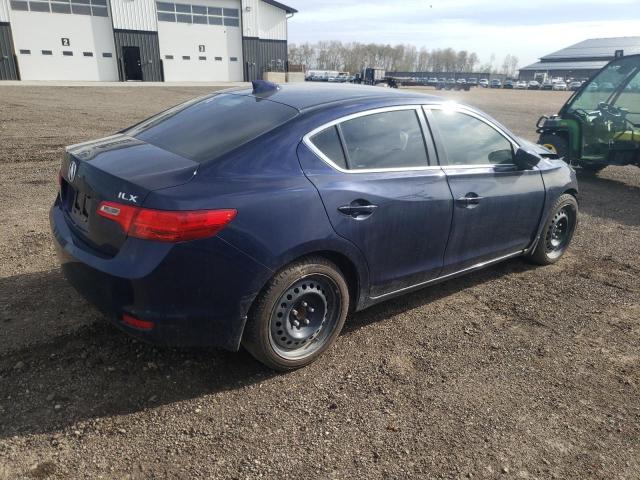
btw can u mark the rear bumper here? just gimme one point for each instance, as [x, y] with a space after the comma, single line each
[196, 293]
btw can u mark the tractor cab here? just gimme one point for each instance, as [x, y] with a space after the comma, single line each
[600, 124]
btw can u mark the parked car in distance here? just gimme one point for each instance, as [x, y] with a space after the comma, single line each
[507, 84]
[546, 85]
[433, 81]
[461, 80]
[473, 81]
[495, 83]
[533, 85]
[561, 86]
[483, 82]
[197, 244]
[521, 85]
[573, 86]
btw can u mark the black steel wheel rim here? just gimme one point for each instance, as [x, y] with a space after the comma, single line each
[560, 231]
[305, 317]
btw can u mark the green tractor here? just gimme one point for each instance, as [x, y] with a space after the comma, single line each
[600, 124]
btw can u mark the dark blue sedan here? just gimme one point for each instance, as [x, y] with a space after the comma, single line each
[263, 217]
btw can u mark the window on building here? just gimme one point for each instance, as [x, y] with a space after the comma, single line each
[165, 7]
[233, 59]
[202, 58]
[80, 9]
[166, 17]
[231, 22]
[218, 59]
[197, 14]
[230, 12]
[25, 52]
[57, 7]
[39, 6]
[67, 53]
[19, 5]
[107, 54]
[186, 57]
[168, 57]
[47, 52]
[87, 54]
[97, 8]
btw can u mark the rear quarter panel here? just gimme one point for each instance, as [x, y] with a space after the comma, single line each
[280, 215]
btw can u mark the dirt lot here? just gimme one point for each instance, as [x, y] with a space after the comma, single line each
[512, 372]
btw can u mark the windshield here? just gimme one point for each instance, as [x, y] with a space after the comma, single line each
[606, 85]
[206, 128]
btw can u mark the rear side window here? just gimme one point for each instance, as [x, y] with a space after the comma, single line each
[328, 142]
[377, 141]
[207, 128]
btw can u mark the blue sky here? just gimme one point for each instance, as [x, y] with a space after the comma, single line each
[527, 29]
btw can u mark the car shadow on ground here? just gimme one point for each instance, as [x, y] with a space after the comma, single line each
[622, 203]
[87, 369]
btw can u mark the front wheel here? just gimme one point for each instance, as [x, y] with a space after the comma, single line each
[557, 232]
[298, 315]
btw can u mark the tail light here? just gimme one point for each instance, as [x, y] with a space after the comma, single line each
[166, 225]
[134, 322]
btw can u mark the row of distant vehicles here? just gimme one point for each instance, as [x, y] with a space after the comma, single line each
[376, 76]
[556, 84]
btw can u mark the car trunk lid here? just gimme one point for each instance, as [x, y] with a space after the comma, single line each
[120, 169]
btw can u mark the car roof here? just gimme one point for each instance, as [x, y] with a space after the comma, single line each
[313, 95]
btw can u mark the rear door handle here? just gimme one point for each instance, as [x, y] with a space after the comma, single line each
[470, 200]
[358, 211]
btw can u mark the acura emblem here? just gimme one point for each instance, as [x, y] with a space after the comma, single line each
[73, 168]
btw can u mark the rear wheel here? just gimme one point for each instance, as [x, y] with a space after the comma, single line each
[556, 144]
[298, 315]
[557, 232]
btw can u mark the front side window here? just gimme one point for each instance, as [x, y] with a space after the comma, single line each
[380, 141]
[468, 140]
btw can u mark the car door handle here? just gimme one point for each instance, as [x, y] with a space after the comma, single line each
[470, 200]
[358, 211]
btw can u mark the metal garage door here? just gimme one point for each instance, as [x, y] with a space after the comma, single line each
[8, 69]
[138, 55]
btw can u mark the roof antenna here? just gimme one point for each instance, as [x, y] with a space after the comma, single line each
[264, 86]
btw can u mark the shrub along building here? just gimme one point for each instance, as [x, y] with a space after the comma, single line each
[142, 40]
[581, 60]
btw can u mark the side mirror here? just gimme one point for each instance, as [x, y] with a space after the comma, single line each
[526, 159]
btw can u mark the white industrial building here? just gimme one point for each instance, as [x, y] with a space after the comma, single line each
[142, 40]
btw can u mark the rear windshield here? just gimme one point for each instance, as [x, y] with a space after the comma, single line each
[204, 129]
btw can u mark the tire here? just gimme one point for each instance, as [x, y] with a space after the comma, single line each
[557, 232]
[556, 144]
[298, 315]
[591, 167]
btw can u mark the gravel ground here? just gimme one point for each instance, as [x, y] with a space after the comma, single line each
[511, 372]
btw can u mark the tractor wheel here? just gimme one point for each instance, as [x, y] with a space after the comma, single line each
[591, 167]
[555, 143]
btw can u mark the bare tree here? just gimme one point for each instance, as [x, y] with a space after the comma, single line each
[354, 56]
